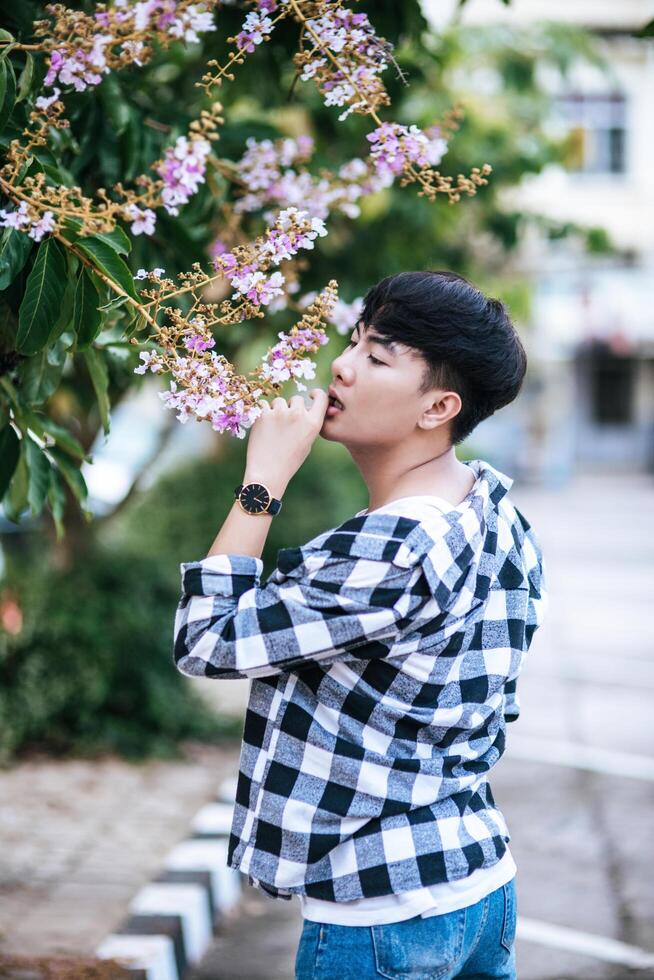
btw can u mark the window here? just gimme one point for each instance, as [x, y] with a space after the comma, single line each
[612, 386]
[597, 124]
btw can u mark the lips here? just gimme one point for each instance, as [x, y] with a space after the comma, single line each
[334, 401]
[335, 406]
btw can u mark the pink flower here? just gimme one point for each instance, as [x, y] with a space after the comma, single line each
[393, 147]
[182, 171]
[199, 344]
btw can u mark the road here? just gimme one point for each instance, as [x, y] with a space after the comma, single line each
[577, 781]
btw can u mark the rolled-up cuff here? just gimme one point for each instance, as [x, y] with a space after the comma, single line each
[228, 575]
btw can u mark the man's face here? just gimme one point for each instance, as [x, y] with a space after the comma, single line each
[378, 383]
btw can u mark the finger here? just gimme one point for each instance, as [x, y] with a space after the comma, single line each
[320, 401]
[297, 401]
[279, 402]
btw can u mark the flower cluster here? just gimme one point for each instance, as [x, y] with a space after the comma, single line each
[182, 171]
[23, 219]
[353, 81]
[245, 268]
[339, 50]
[342, 54]
[44, 208]
[77, 67]
[80, 56]
[283, 362]
[392, 146]
[204, 384]
[274, 174]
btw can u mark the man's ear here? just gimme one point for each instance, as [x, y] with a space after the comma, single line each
[444, 405]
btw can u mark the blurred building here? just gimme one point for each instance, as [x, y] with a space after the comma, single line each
[589, 401]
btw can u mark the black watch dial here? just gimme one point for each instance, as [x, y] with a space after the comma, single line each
[254, 498]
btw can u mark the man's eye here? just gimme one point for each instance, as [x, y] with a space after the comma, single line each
[375, 360]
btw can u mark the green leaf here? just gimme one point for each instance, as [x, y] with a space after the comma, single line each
[44, 292]
[70, 473]
[108, 262]
[64, 320]
[9, 100]
[14, 501]
[25, 78]
[43, 426]
[647, 30]
[9, 453]
[15, 246]
[38, 467]
[40, 375]
[57, 501]
[97, 368]
[87, 319]
[116, 239]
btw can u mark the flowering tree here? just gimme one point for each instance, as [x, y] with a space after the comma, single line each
[65, 247]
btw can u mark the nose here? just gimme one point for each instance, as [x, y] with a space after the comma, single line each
[342, 370]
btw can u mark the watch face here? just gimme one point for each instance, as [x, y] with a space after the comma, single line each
[254, 498]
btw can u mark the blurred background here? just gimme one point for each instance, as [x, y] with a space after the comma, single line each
[107, 751]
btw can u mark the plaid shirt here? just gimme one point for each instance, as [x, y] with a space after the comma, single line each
[383, 658]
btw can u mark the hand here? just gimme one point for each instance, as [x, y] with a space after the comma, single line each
[281, 438]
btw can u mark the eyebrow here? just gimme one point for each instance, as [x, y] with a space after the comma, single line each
[376, 338]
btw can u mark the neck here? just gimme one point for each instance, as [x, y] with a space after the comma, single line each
[403, 470]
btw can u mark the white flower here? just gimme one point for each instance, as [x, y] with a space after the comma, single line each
[44, 103]
[42, 227]
[143, 220]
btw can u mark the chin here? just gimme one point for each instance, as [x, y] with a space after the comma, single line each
[328, 435]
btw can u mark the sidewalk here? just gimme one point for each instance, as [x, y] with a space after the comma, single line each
[79, 838]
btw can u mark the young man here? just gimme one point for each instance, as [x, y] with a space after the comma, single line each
[384, 653]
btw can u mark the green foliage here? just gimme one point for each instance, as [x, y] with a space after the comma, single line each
[92, 669]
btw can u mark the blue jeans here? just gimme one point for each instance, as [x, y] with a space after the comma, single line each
[476, 943]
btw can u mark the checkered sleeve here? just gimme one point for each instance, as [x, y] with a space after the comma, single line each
[325, 607]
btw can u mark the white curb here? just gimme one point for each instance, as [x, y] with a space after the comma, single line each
[171, 921]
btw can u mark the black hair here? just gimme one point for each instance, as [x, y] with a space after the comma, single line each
[467, 339]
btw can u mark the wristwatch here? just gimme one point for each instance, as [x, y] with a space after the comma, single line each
[255, 498]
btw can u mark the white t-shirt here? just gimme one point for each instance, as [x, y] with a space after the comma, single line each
[447, 896]
[437, 899]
